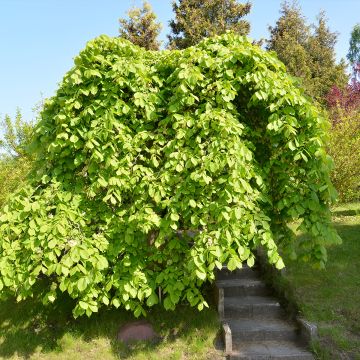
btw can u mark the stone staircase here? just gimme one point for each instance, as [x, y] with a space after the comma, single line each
[255, 326]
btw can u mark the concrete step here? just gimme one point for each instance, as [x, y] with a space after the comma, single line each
[262, 330]
[266, 350]
[252, 307]
[243, 287]
[244, 273]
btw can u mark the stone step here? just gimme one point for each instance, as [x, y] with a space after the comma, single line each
[243, 287]
[252, 307]
[244, 273]
[261, 330]
[266, 350]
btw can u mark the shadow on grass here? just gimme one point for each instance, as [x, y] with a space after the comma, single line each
[29, 327]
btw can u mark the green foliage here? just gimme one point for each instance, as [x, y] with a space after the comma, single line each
[12, 174]
[141, 27]
[195, 20]
[154, 169]
[344, 147]
[307, 51]
[15, 161]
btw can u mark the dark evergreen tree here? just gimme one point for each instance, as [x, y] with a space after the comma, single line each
[308, 51]
[354, 51]
[195, 20]
[289, 38]
[325, 71]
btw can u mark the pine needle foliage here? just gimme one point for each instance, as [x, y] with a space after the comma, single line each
[308, 51]
[195, 20]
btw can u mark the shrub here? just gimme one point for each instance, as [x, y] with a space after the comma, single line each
[155, 168]
[343, 100]
[13, 173]
[15, 162]
[344, 147]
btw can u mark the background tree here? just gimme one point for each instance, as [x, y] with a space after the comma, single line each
[325, 72]
[141, 27]
[354, 51]
[15, 161]
[195, 20]
[17, 135]
[289, 38]
[344, 148]
[308, 51]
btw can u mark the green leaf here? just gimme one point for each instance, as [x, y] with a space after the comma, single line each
[116, 302]
[152, 300]
[73, 138]
[105, 300]
[251, 261]
[83, 305]
[280, 264]
[192, 203]
[168, 304]
[174, 217]
[82, 284]
[232, 264]
[201, 275]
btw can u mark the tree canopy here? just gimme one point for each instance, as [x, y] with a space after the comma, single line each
[154, 169]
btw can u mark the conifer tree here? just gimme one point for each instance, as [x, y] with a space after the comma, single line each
[354, 51]
[289, 37]
[325, 72]
[141, 27]
[308, 51]
[195, 20]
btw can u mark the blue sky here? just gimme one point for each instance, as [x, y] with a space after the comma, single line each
[39, 38]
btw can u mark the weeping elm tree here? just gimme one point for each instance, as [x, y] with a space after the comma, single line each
[139, 149]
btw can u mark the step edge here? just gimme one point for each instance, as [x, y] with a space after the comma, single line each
[239, 282]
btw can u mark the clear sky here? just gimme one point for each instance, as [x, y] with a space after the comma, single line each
[39, 38]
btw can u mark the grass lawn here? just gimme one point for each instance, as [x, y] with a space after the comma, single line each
[347, 209]
[28, 331]
[331, 297]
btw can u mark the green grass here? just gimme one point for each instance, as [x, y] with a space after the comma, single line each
[347, 206]
[30, 331]
[331, 298]
[347, 209]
